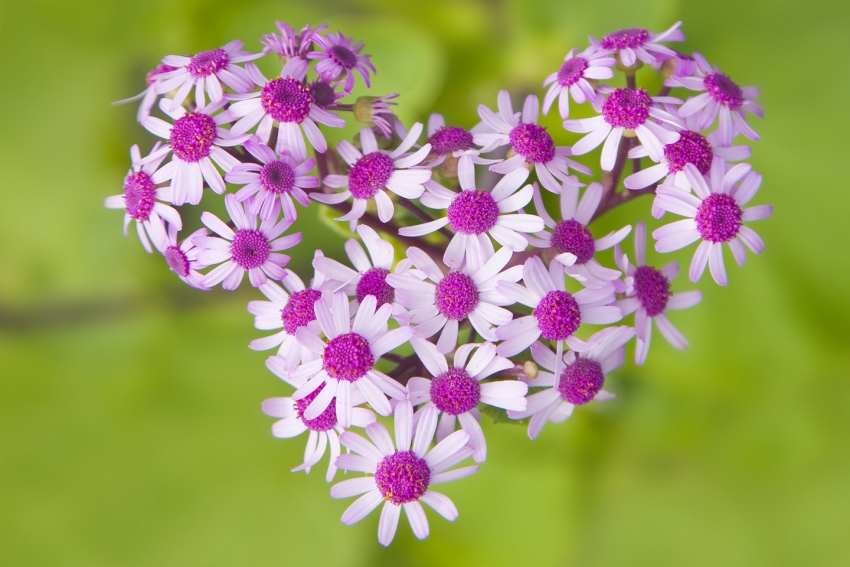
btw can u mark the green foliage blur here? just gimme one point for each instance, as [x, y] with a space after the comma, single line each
[130, 424]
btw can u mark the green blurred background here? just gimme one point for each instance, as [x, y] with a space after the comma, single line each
[130, 423]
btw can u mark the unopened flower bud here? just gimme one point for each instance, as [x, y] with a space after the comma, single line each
[530, 370]
[370, 110]
[628, 68]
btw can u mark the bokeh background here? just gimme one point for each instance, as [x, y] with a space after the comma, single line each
[130, 423]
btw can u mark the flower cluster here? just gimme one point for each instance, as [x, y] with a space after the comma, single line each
[465, 295]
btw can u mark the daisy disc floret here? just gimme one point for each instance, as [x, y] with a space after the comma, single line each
[574, 76]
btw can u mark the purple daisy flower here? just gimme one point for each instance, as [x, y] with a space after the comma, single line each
[715, 216]
[572, 78]
[373, 171]
[290, 43]
[245, 249]
[348, 357]
[468, 293]
[648, 296]
[474, 214]
[287, 101]
[723, 97]
[531, 144]
[572, 381]
[325, 94]
[557, 314]
[278, 178]
[139, 200]
[182, 258]
[572, 240]
[456, 391]
[148, 96]
[340, 56]
[638, 44]
[401, 474]
[625, 112]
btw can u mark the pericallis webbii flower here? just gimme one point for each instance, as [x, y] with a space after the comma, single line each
[574, 76]
[340, 56]
[638, 44]
[182, 258]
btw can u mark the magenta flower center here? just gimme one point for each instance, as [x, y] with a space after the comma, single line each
[473, 212]
[374, 282]
[192, 136]
[558, 315]
[532, 142]
[626, 108]
[139, 194]
[456, 296]
[323, 94]
[158, 70]
[370, 174]
[249, 248]
[719, 218]
[631, 38]
[343, 56]
[277, 177]
[206, 63]
[571, 71]
[402, 477]
[724, 90]
[286, 100]
[652, 289]
[299, 310]
[455, 391]
[177, 261]
[692, 147]
[348, 357]
[570, 236]
[325, 421]
[449, 139]
[581, 381]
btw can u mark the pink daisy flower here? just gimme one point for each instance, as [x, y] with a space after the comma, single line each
[148, 96]
[723, 97]
[572, 239]
[287, 101]
[401, 474]
[139, 200]
[340, 56]
[448, 299]
[475, 216]
[450, 142]
[530, 142]
[247, 249]
[290, 43]
[557, 314]
[715, 216]
[182, 258]
[456, 391]
[638, 44]
[374, 171]
[572, 78]
[573, 380]
[648, 296]
[347, 360]
[278, 178]
[625, 111]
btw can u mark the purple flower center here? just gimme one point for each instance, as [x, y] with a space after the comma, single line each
[139, 193]
[724, 90]
[277, 177]
[402, 477]
[449, 139]
[570, 236]
[177, 261]
[323, 94]
[348, 357]
[370, 174]
[473, 212]
[299, 310]
[325, 421]
[558, 315]
[718, 218]
[286, 100]
[158, 70]
[532, 142]
[455, 391]
[456, 296]
[374, 282]
[626, 108]
[249, 248]
[631, 37]
[206, 63]
[192, 136]
[571, 71]
[581, 381]
[692, 147]
[652, 289]
[343, 56]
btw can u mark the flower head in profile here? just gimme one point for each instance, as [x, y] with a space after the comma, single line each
[574, 76]
[290, 43]
[639, 44]
[182, 257]
[340, 56]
